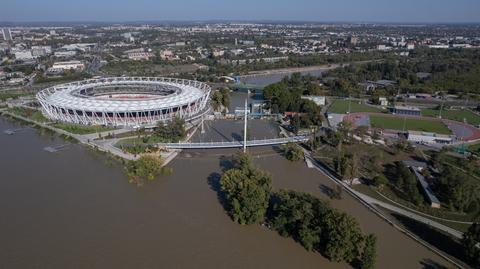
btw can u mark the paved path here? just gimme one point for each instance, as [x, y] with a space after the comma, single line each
[234, 144]
[374, 202]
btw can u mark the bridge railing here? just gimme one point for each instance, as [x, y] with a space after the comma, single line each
[258, 142]
[225, 144]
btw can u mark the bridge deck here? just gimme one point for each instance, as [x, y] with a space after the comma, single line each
[234, 144]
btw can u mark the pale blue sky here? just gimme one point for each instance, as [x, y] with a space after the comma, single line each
[186, 10]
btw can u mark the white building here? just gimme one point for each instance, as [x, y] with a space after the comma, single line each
[62, 66]
[40, 51]
[139, 56]
[428, 138]
[319, 100]
[23, 55]
[7, 34]
[65, 54]
[167, 55]
[383, 101]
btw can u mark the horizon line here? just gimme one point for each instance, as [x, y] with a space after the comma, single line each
[261, 21]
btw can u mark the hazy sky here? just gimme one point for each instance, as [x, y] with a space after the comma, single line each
[300, 10]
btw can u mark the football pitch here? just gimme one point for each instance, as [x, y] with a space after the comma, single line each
[456, 115]
[399, 123]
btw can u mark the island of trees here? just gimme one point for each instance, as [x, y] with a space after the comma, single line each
[308, 220]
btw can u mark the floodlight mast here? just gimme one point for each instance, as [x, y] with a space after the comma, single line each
[245, 129]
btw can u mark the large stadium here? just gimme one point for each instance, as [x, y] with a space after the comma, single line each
[125, 101]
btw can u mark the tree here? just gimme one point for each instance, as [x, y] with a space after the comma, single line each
[225, 93]
[379, 181]
[346, 165]
[406, 181]
[243, 161]
[337, 192]
[458, 189]
[293, 152]
[172, 131]
[216, 100]
[369, 254]
[345, 128]
[343, 237]
[470, 244]
[247, 191]
[146, 168]
[220, 98]
[299, 215]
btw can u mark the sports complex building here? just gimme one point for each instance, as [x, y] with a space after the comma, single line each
[125, 101]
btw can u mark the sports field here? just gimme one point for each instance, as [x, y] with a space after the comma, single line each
[456, 115]
[474, 147]
[397, 123]
[341, 107]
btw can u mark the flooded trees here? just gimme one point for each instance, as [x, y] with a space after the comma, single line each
[247, 191]
[293, 152]
[308, 220]
[316, 225]
[369, 254]
[145, 169]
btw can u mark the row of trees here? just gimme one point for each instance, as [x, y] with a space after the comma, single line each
[317, 226]
[454, 71]
[218, 67]
[405, 181]
[456, 183]
[287, 96]
[308, 220]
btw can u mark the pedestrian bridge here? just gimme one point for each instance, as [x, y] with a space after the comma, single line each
[234, 144]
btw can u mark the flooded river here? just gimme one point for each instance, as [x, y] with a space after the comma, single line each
[75, 209]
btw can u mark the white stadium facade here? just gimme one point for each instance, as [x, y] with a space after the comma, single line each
[125, 101]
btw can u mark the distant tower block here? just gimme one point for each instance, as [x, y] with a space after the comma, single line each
[7, 34]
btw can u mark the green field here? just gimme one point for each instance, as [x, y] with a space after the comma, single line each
[341, 107]
[474, 147]
[32, 114]
[80, 129]
[457, 115]
[395, 123]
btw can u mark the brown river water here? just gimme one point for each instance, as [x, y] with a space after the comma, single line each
[75, 209]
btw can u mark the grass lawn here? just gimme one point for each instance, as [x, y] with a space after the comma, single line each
[32, 114]
[474, 147]
[341, 107]
[410, 124]
[137, 145]
[457, 115]
[80, 129]
[14, 95]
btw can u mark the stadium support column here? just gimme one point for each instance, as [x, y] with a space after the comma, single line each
[245, 129]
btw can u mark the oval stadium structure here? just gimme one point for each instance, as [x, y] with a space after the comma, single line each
[125, 101]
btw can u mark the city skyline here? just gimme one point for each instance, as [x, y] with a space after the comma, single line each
[408, 11]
